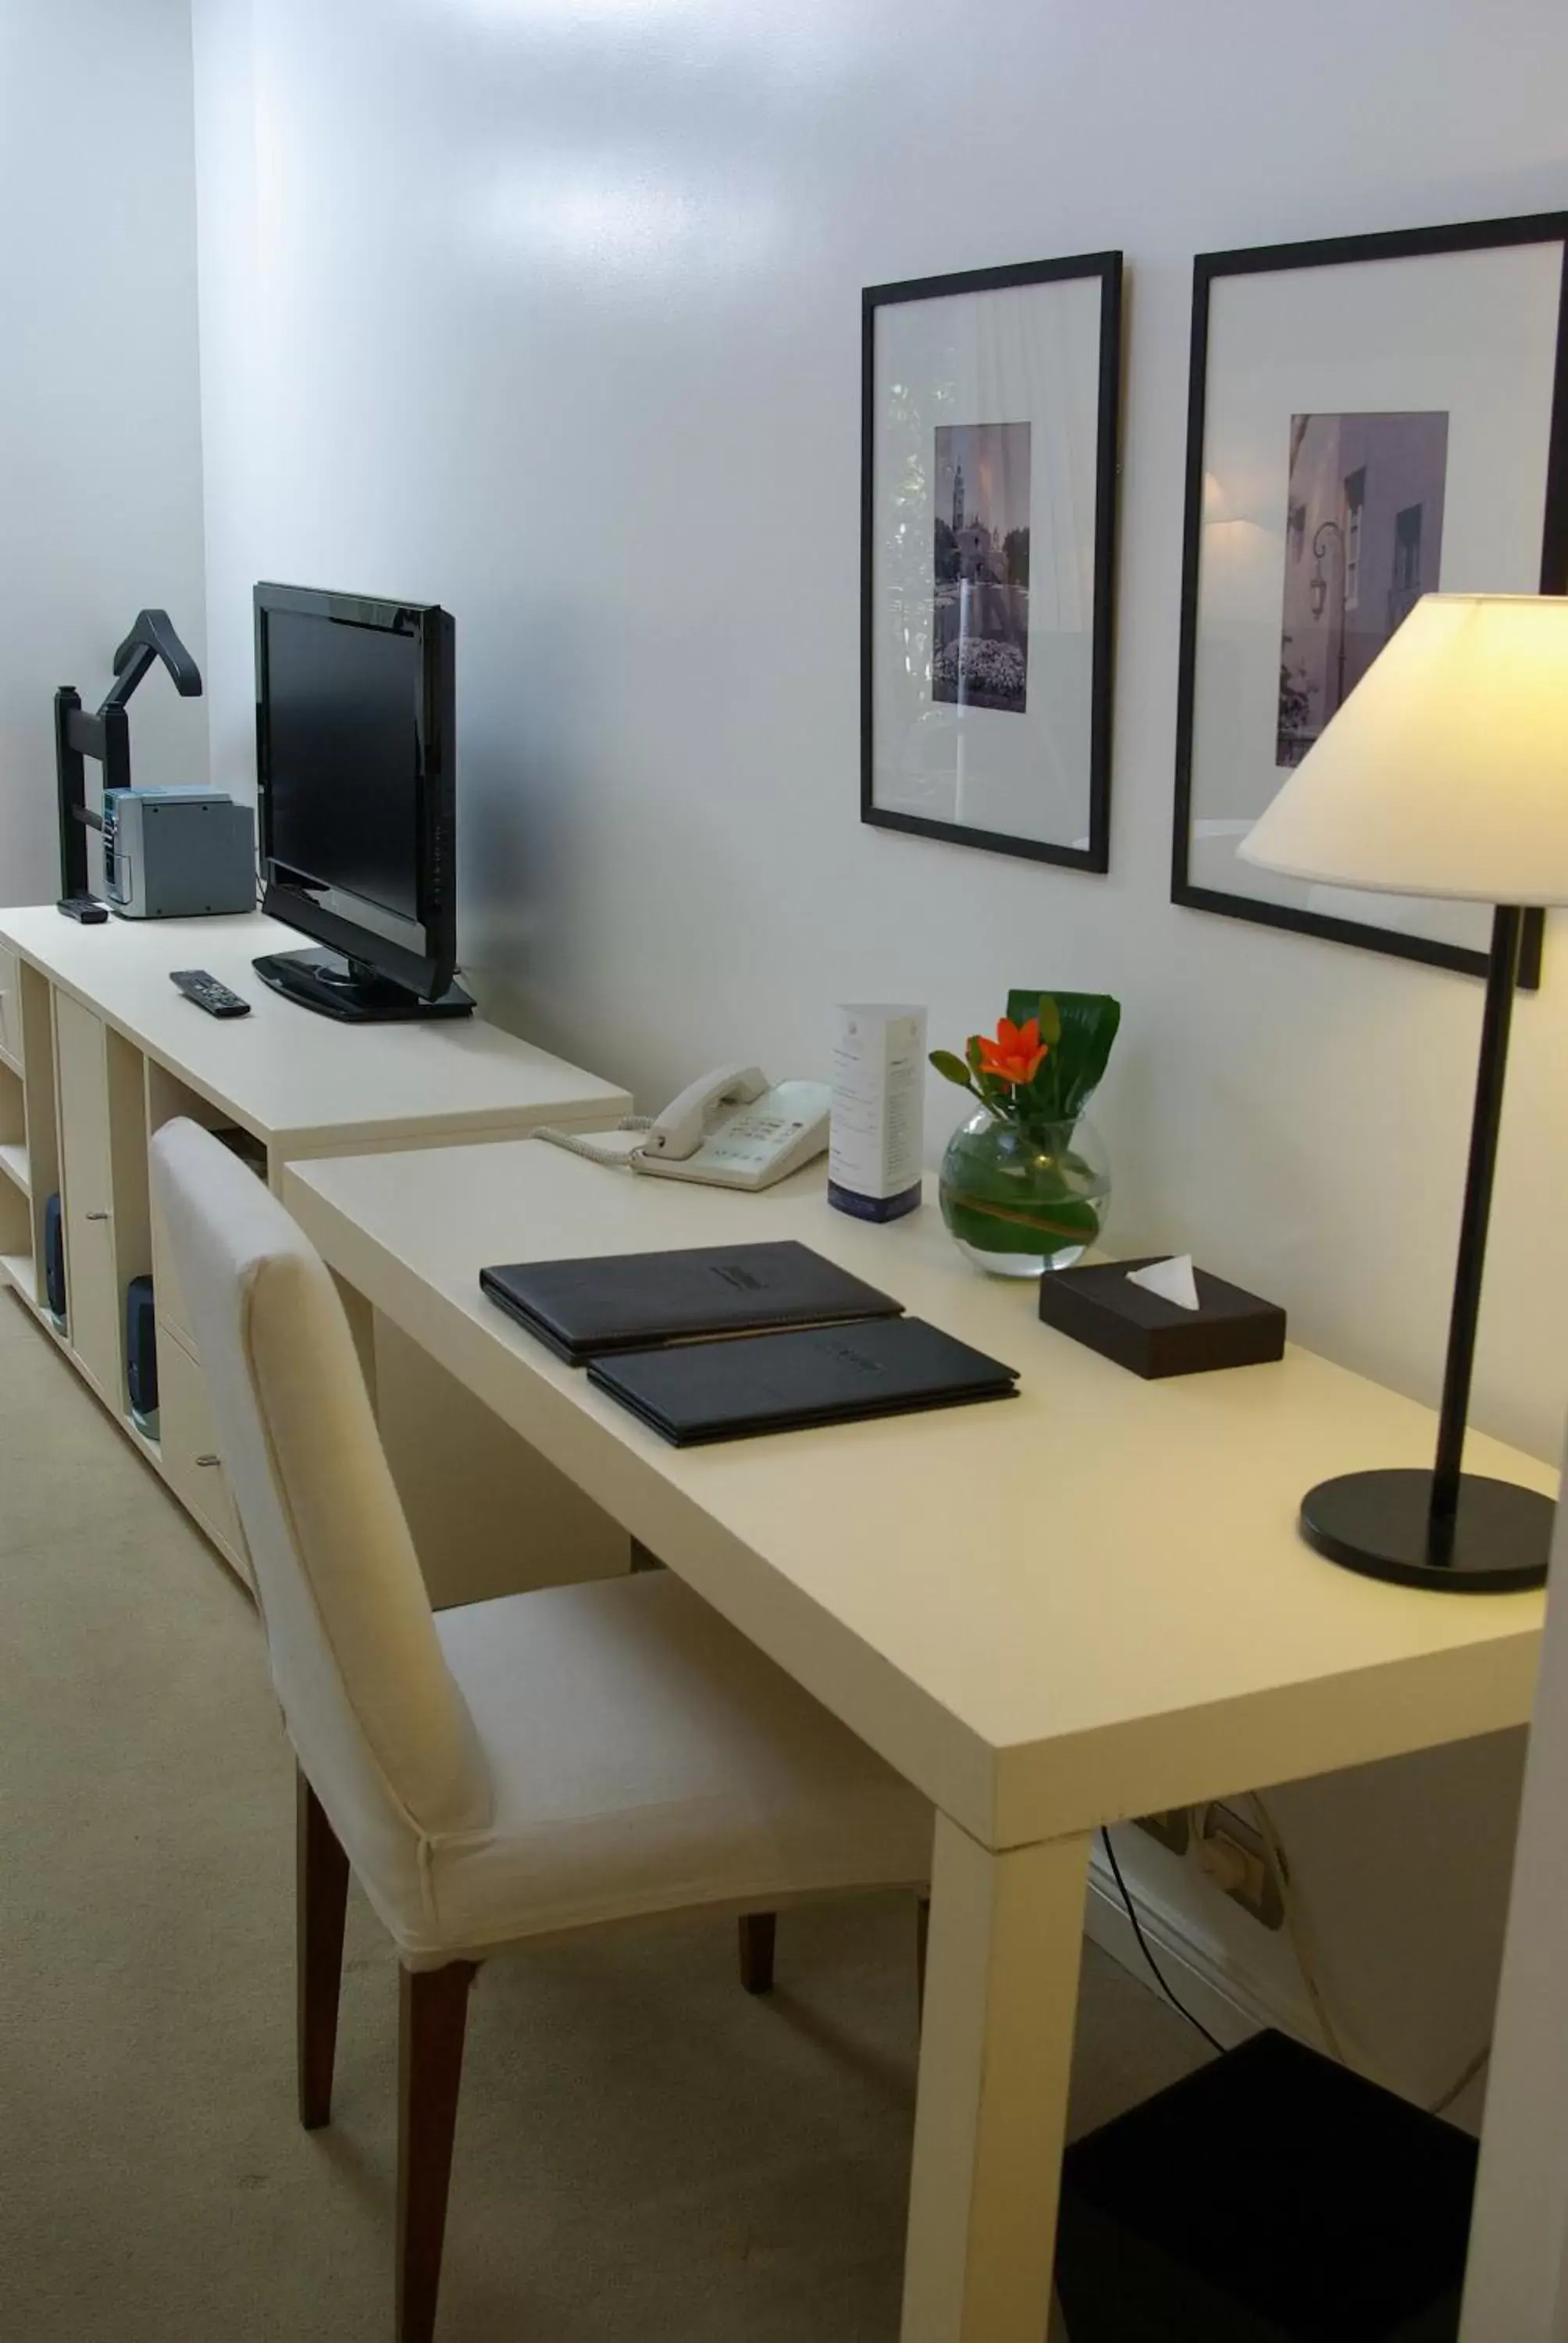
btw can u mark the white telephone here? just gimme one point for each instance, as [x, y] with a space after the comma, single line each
[731, 1129]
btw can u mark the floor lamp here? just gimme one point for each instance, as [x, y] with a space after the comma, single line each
[1444, 773]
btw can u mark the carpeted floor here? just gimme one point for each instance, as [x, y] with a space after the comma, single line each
[642, 2153]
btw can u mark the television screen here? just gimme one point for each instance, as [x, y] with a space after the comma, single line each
[343, 757]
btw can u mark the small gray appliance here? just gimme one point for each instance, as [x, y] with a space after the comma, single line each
[173, 853]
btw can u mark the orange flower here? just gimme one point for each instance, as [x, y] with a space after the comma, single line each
[1016, 1055]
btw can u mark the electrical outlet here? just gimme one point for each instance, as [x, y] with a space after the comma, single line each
[1235, 1857]
[1172, 1827]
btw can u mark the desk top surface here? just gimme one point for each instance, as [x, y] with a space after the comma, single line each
[306, 1082]
[1084, 1603]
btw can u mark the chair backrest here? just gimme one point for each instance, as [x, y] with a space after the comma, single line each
[381, 1729]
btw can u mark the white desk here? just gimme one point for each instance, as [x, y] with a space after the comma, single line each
[304, 1084]
[1083, 1604]
[97, 1049]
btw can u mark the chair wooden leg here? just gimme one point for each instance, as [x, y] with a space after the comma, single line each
[433, 2018]
[321, 1892]
[923, 1936]
[758, 1930]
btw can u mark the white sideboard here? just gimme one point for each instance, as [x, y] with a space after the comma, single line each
[97, 1049]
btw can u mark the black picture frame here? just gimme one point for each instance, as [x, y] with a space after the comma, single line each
[1107, 268]
[1545, 227]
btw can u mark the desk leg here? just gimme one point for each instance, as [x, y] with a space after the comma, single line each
[996, 2054]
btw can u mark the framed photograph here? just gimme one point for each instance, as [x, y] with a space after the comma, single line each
[1369, 419]
[988, 524]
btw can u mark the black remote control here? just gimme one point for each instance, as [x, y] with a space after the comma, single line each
[198, 985]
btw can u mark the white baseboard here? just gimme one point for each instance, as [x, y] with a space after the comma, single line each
[1230, 2004]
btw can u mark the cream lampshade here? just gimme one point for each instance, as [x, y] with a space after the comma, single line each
[1444, 773]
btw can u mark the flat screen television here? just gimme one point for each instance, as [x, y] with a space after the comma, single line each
[356, 801]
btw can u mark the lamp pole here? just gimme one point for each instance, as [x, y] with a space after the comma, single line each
[1447, 1527]
[1501, 980]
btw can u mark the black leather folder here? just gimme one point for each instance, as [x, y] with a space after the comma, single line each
[636, 1301]
[703, 1392]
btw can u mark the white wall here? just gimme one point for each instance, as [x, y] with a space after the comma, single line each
[549, 309]
[100, 448]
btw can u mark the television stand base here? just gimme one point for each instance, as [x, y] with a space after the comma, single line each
[337, 987]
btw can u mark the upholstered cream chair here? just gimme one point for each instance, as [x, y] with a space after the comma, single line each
[547, 1763]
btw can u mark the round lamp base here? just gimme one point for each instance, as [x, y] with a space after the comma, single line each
[1381, 1523]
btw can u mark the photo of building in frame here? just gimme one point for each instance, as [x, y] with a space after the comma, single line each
[1363, 541]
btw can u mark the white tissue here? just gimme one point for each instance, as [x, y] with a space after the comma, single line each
[1171, 1280]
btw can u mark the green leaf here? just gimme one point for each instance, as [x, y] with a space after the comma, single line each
[989, 1089]
[1087, 1025]
[1044, 1227]
[972, 1224]
[982, 1083]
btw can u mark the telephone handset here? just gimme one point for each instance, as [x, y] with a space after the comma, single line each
[731, 1129]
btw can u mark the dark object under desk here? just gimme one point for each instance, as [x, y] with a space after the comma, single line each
[1271, 2197]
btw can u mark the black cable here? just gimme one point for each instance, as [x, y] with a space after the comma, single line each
[1155, 1969]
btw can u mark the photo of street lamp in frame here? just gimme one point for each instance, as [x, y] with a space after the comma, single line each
[988, 423]
[1371, 419]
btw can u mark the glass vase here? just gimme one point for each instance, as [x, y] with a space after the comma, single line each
[1019, 1202]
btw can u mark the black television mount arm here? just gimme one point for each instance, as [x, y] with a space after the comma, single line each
[106, 738]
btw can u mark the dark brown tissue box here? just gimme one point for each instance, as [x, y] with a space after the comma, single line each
[1231, 1328]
